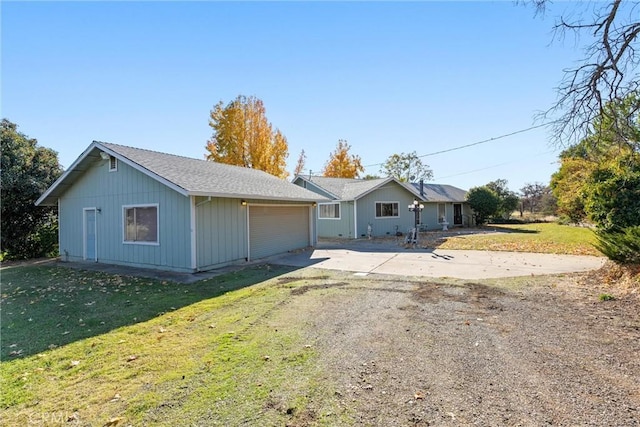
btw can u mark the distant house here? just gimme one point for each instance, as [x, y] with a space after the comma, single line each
[128, 206]
[382, 204]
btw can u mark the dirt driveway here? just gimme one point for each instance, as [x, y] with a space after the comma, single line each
[510, 352]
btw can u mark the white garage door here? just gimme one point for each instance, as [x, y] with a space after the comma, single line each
[277, 229]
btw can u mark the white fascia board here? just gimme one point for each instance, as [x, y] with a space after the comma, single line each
[318, 199]
[65, 174]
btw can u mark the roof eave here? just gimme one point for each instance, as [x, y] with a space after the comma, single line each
[48, 198]
[142, 169]
[385, 182]
[316, 185]
[258, 197]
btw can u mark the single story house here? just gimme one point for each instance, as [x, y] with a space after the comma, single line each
[128, 206]
[382, 206]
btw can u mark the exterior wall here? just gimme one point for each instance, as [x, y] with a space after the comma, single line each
[467, 216]
[431, 216]
[342, 227]
[222, 232]
[222, 237]
[366, 211]
[109, 192]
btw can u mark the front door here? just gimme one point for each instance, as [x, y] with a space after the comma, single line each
[90, 240]
[457, 214]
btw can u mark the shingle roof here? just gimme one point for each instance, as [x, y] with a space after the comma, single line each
[351, 189]
[345, 188]
[442, 193]
[186, 175]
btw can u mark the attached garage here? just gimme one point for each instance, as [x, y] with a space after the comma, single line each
[278, 229]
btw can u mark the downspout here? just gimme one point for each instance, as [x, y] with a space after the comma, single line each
[312, 237]
[248, 233]
[421, 196]
[66, 253]
[96, 211]
[194, 248]
[355, 219]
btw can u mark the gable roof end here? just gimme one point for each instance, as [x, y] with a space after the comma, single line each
[187, 176]
[347, 189]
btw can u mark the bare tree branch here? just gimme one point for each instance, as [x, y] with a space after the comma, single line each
[608, 73]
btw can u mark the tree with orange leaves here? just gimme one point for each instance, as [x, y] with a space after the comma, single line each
[243, 136]
[341, 164]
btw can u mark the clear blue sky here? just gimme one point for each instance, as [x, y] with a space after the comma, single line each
[387, 77]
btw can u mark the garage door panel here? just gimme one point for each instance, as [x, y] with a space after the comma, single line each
[277, 229]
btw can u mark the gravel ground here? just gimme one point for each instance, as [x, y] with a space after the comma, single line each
[546, 351]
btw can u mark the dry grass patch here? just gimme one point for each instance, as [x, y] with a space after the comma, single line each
[539, 237]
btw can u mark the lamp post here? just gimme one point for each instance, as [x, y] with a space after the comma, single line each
[416, 207]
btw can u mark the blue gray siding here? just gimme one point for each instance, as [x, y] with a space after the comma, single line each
[222, 232]
[343, 227]
[366, 214]
[109, 192]
[222, 236]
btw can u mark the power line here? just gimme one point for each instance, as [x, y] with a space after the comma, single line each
[484, 141]
[492, 166]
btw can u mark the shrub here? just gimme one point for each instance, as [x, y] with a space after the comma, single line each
[484, 202]
[620, 245]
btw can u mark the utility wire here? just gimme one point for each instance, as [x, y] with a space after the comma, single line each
[484, 141]
[492, 166]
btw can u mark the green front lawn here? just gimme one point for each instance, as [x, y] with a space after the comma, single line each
[536, 237]
[94, 348]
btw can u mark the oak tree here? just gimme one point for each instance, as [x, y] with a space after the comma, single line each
[508, 199]
[243, 136]
[607, 72]
[406, 167]
[537, 197]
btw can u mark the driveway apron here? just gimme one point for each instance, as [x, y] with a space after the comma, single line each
[461, 264]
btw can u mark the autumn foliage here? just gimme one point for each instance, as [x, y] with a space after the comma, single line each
[341, 164]
[242, 136]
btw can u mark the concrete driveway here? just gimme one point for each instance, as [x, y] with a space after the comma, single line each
[365, 258]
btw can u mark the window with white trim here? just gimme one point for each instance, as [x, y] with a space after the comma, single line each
[329, 210]
[387, 209]
[442, 213]
[141, 224]
[113, 164]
